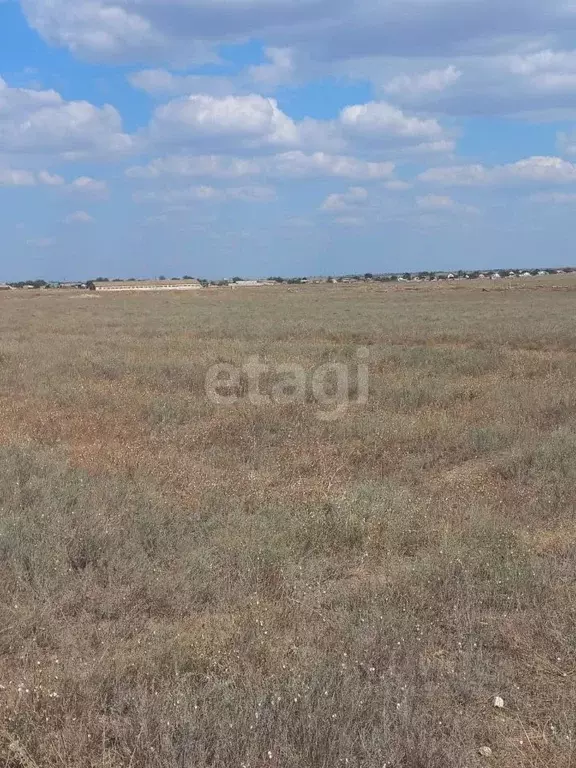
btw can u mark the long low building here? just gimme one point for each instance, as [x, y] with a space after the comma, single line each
[109, 286]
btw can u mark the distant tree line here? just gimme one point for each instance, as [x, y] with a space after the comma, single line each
[366, 277]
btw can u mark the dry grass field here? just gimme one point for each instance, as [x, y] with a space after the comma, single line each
[185, 584]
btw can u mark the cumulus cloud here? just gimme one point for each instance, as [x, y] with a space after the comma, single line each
[443, 203]
[279, 69]
[546, 69]
[11, 178]
[294, 164]
[247, 194]
[41, 121]
[379, 120]
[89, 187]
[172, 29]
[434, 81]
[354, 197]
[201, 166]
[440, 147]
[202, 124]
[434, 202]
[249, 121]
[567, 143]
[300, 164]
[397, 185]
[530, 82]
[50, 179]
[19, 178]
[544, 170]
[450, 57]
[97, 29]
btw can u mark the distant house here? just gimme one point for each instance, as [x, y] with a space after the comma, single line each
[69, 285]
[542, 273]
[113, 286]
[526, 274]
[450, 276]
[5, 287]
[496, 276]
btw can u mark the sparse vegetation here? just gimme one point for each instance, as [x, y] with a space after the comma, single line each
[183, 584]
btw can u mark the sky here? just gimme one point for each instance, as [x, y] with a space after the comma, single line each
[255, 138]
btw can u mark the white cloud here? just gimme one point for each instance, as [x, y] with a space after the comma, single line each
[434, 202]
[279, 70]
[85, 185]
[505, 57]
[202, 124]
[543, 62]
[546, 170]
[249, 121]
[37, 121]
[177, 29]
[440, 147]
[398, 186]
[546, 73]
[79, 217]
[567, 143]
[248, 194]
[379, 120]
[294, 164]
[444, 203]
[50, 179]
[510, 78]
[458, 175]
[433, 81]
[299, 164]
[344, 201]
[98, 29]
[23, 178]
[10, 178]
[202, 166]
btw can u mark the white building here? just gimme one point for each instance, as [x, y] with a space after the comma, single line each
[114, 286]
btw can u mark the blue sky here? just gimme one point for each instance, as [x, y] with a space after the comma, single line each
[260, 137]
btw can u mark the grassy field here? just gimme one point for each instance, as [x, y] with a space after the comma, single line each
[185, 584]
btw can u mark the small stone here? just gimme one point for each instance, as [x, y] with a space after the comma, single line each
[499, 702]
[485, 751]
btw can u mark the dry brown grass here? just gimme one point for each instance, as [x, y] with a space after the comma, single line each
[190, 585]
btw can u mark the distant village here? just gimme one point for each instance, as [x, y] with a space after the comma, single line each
[107, 285]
